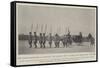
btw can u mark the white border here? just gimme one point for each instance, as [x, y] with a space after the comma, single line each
[43, 5]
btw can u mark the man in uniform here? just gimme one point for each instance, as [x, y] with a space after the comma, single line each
[35, 39]
[30, 39]
[44, 40]
[91, 39]
[57, 40]
[40, 40]
[63, 40]
[66, 40]
[69, 40]
[50, 39]
[89, 35]
[80, 37]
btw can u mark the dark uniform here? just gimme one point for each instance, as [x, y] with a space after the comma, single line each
[63, 40]
[57, 40]
[89, 36]
[91, 39]
[66, 40]
[50, 40]
[44, 40]
[30, 39]
[35, 39]
[69, 40]
[80, 37]
[40, 40]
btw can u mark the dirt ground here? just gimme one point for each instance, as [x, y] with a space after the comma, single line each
[23, 48]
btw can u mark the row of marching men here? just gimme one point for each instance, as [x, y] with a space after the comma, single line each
[66, 39]
[42, 38]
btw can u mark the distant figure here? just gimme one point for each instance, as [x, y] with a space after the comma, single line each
[30, 39]
[69, 40]
[80, 38]
[64, 40]
[40, 40]
[80, 34]
[91, 39]
[50, 39]
[57, 41]
[89, 36]
[35, 39]
[44, 40]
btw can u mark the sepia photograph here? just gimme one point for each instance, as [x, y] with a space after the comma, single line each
[50, 33]
[55, 29]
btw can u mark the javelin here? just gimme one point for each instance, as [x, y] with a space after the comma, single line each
[45, 28]
[31, 27]
[36, 28]
[65, 30]
[68, 30]
[41, 28]
[51, 29]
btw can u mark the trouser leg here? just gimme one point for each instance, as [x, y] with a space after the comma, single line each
[35, 43]
[30, 45]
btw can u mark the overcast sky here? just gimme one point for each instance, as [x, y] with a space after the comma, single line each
[58, 19]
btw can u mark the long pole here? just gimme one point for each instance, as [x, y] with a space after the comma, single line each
[41, 28]
[50, 29]
[36, 28]
[31, 28]
[45, 28]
